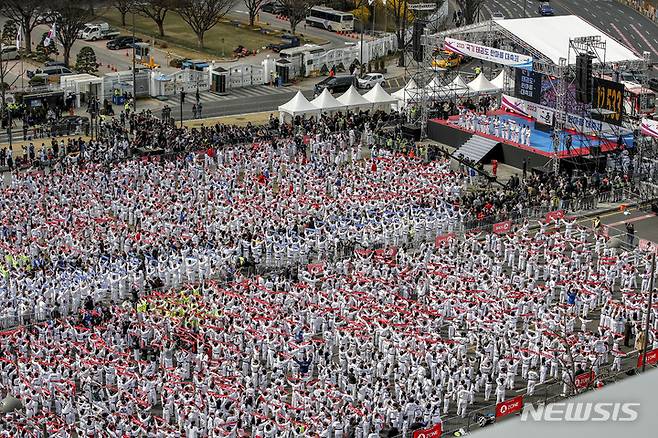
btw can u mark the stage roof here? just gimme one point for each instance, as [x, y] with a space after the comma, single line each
[550, 36]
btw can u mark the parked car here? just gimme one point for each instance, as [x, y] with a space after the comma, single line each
[122, 42]
[273, 7]
[98, 31]
[546, 10]
[50, 74]
[9, 53]
[336, 84]
[287, 42]
[447, 59]
[370, 80]
[497, 15]
[54, 64]
[67, 125]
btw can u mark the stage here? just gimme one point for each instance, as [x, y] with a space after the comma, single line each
[538, 152]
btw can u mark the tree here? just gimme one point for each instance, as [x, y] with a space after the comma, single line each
[27, 13]
[203, 15]
[44, 53]
[123, 6]
[470, 9]
[86, 60]
[399, 10]
[70, 21]
[157, 11]
[9, 33]
[297, 11]
[253, 6]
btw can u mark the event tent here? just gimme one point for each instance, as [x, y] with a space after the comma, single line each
[297, 106]
[352, 98]
[482, 85]
[379, 97]
[550, 36]
[408, 91]
[326, 102]
[499, 81]
[458, 82]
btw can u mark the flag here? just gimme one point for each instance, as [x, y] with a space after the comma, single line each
[52, 34]
[19, 37]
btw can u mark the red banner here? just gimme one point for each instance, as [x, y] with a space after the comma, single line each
[509, 407]
[652, 358]
[502, 227]
[442, 239]
[583, 380]
[557, 214]
[430, 432]
[315, 268]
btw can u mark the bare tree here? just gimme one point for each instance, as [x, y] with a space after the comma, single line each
[399, 10]
[203, 15]
[27, 13]
[470, 9]
[123, 6]
[297, 11]
[157, 11]
[253, 6]
[71, 19]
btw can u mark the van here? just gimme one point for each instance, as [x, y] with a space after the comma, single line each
[10, 53]
[336, 84]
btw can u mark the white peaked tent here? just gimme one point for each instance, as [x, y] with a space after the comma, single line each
[434, 87]
[326, 102]
[297, 106]
[351, 98]
[406, 92]
[455, 88]
[458, 82]
[380, 98]
[499, 81]
[481, 84]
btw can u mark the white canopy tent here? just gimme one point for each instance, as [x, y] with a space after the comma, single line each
[456, 88]
[482, 85]
[499, 81]
[351, 99]
[458, 82]
[297, 106]
[405, 93]
[325, 102]
[433, 89]
[379, 98]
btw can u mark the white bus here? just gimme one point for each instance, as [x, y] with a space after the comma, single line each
[330, 19]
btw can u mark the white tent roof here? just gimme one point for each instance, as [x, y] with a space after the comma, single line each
[458, 82]
[325, 101]
[405, 92]
[550, 36]
[379, 95]
[352, 98]
[499, 81]
[481, 83]
[298, 105]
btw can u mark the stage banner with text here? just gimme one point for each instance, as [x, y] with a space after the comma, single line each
[487, 53]
[652, 358]
[429, 432]
[509, 407]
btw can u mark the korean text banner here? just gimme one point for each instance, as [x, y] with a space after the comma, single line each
[488, 53]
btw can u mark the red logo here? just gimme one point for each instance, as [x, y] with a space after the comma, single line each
[502, 227]
[652, 358]
[583, 380]
[509, 407]
[431, 432]
[557, 214]
[443, 238]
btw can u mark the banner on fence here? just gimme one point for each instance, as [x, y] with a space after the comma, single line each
[430, 432]
[647, 245]
[652, 358]
[583, 380]
[502, 227]
[440, 240]
[509, 407]
[556, 214]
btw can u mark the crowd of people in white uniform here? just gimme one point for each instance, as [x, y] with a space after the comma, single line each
[363, 314]
[501, 127]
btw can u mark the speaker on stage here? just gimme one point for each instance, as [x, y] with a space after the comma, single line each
[416, 39]
[411, 132]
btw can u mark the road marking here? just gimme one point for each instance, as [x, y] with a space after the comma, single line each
[628, 221]
[623, 36]
[644, 39]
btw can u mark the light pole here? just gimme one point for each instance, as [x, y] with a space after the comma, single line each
[134, 73]
[182, 98]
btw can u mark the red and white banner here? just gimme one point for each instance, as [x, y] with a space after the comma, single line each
[556, 214]
[509, 407]
[652, 358]
[648, 245]
[502, 227]
[315, 268]
[583, 380]
[430, 432]
[649, 128]
[440, 240]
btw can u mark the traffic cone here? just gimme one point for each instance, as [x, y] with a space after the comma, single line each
[126, 54]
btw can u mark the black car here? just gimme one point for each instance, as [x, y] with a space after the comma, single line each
[67, 125]
[273, 8]
[336, 84]
[122, 42]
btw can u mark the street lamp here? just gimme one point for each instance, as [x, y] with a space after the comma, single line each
[134, 73]
[182, 100]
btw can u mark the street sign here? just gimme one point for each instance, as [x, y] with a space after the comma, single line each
[652, 358]
[509, 407]
[430, 432]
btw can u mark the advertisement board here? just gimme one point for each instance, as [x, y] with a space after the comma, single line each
[487, 53]
[527, 85]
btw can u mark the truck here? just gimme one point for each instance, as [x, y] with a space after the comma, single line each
[98, 31]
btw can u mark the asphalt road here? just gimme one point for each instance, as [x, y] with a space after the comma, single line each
[623, 23]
